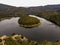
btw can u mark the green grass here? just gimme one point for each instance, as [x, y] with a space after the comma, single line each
[27, 20]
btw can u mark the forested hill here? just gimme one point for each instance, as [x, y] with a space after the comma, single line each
[9, 8]
[30, 10]
[46, 8]
[5, 7]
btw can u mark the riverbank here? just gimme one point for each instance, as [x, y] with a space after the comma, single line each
[30, 26]
[52, 18]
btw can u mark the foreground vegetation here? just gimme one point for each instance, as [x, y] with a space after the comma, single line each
[21, 40]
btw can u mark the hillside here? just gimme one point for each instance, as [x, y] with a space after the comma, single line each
[41, 8]
[29, 10]
[46, 8]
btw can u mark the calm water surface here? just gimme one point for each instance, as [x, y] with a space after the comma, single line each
[45, 31]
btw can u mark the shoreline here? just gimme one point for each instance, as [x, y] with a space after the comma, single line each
[27, 26]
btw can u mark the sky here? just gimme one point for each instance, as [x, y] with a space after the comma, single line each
[28, 3]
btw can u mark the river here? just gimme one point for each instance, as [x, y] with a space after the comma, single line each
[45, 31]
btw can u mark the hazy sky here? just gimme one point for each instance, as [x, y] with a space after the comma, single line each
[29, 2]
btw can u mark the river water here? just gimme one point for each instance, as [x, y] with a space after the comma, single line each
[45, 31]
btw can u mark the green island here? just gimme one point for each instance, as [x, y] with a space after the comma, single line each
[28, 21]
[16, 39]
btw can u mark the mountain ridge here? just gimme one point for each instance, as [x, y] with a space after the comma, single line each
[46, 7]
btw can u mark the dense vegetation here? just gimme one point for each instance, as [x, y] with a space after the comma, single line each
[53, 16]
[28, 21]
[21, 40]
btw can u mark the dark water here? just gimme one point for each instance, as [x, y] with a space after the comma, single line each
[45, 31]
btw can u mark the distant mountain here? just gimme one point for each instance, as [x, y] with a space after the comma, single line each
[7, 10]
[46, 8]
[42, 8]
[12, 9]
[5, 7]
[53, 7]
